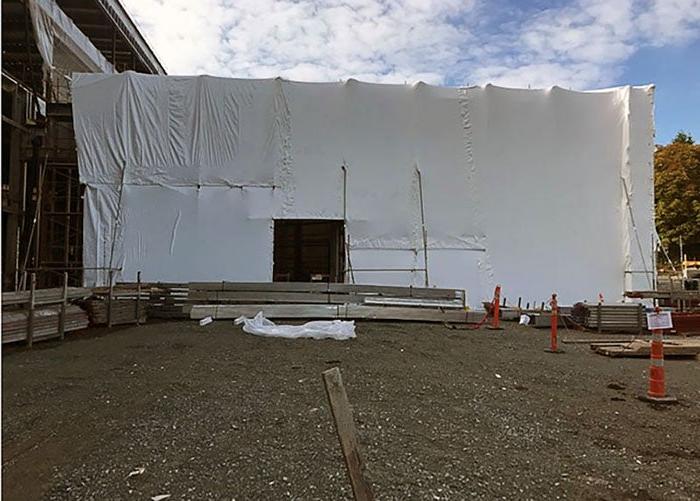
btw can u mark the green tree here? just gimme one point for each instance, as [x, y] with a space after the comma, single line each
[683, 137]
[677, 193]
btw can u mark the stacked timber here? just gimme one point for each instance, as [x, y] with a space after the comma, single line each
[123, 311]
[43, 296]
[121, 304]
[46, 323]
[615, 317]
[39, 314]
[228, 300]
[167, 300]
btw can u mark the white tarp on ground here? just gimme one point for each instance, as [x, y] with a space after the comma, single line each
[520, 187]
[340, 330]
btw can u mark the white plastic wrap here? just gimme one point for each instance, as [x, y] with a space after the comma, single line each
[51, 25]
[520, 187]
[339, 330]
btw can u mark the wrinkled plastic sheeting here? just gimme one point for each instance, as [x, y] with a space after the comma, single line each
[51, 25]
[519, 187]
[339, 330]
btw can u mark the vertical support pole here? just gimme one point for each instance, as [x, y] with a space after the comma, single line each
[423, 227]
[110, 298]
[640, 318]
[30, 311]
[520, 302]
[64, 305]
[68, 220]
[345, 427]
[348, 262]
[600, 316]
[138, 298]
[496, 320]
[553, 346]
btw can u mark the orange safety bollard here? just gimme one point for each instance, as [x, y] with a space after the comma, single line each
[657, 376]
[553, 346]
[496, 309]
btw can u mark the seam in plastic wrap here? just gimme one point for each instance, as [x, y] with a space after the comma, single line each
[626, 188]
[484, 264]
[283, 129]
[650, 169]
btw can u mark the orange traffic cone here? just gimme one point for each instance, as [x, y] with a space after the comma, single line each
[657, 376]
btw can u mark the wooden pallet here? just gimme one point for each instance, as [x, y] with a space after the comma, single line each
[642, 348]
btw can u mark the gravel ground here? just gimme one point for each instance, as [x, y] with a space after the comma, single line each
[214, 413]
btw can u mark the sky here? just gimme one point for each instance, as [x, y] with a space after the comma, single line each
[578, 44]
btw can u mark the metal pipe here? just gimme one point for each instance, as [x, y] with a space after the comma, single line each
[425, 232]
[634, 227]
[37, 210]
[345, 225]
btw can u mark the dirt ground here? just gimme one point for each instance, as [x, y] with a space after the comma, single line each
[214, 413]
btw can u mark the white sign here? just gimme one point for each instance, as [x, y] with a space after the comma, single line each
[661, 320]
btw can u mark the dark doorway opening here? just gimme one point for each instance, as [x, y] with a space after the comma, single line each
[308, 250]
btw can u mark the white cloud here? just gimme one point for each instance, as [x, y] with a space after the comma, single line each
[582, 44]
[585, 43]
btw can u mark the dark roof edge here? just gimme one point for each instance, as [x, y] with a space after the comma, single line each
[121, 19]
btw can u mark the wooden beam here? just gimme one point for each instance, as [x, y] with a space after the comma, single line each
[347, 436]
[341, 311]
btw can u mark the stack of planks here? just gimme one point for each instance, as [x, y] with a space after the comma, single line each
[229, 300]
[43, 296]
[39, 314]
[123, 311]
[641, 348]
[167, 300]
[118, 305]
[46, 323]
[616, 317]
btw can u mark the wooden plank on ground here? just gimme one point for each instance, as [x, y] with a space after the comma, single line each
[345, 427]
[396, 291]
[401, 313]
[232, 311]
[312, 311]
[641, 348]
[260, 286]
[599, 340]
[202, 296]
[333, 288]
